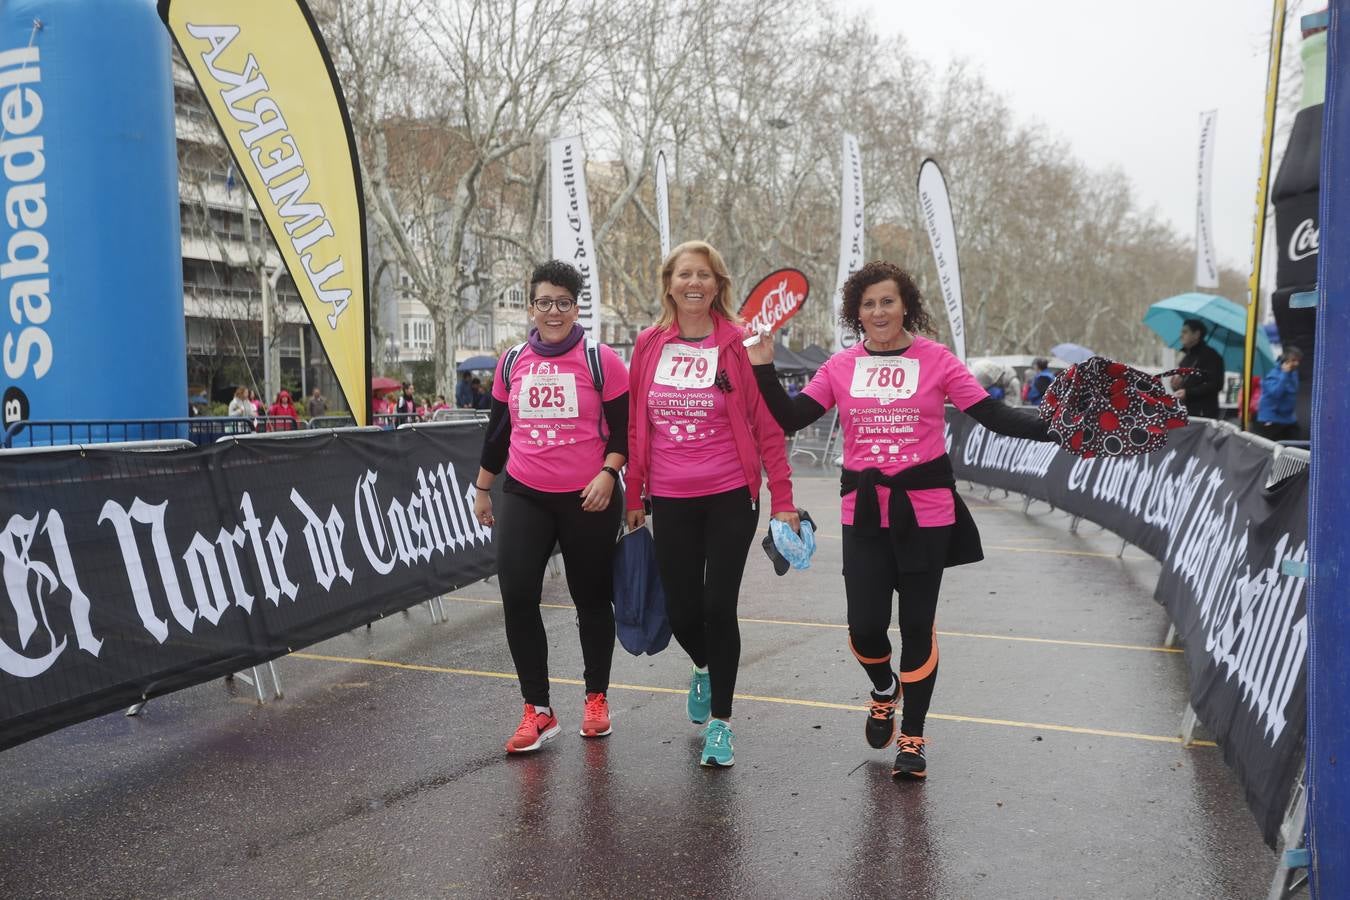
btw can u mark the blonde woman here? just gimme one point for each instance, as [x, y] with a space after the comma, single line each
[699, 436]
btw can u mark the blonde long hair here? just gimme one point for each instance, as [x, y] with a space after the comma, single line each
[716, 263]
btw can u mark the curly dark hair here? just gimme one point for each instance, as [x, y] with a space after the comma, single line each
[555, 271]
[916, 317]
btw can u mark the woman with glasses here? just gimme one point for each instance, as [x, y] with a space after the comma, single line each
[699, 436]
[559, 426]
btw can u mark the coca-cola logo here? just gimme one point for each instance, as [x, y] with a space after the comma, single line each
[775, 299]
[1303, 242]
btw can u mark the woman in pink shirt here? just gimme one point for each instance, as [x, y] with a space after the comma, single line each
[903, 521]
[698, 437]
[562, 440]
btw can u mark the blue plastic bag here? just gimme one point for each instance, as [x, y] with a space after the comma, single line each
[785, 549]
[639, 600]
[796, 550]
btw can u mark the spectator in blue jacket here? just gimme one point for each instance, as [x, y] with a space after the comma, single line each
[1038, 380]
[1275, 416]
[464, 395]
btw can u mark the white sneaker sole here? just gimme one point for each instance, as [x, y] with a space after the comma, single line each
[595, 734]
[544, 737]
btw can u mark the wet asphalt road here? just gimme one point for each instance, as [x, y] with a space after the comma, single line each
[1054, 768]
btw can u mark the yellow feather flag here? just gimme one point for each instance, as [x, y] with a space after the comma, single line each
[269, 81]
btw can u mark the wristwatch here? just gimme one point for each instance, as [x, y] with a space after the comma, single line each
[612, 471]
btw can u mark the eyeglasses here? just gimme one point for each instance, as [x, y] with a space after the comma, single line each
[547, 304]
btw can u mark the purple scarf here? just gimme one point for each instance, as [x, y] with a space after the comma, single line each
[573, 338]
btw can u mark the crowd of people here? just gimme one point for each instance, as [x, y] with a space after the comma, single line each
[700, 419]
[401, 406]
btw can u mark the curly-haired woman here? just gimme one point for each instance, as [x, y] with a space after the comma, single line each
[903, 521]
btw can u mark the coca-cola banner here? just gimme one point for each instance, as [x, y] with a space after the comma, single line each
[776, 298]
[850, 231]
[571, 231]
[936, 205]
[129, 575]
[1232, 554]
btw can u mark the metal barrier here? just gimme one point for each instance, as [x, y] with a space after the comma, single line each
[460, 415]
[817, 440]
[137, 446]
[331, 422]
[302, 433]
[1290, 457]
[197, 429]
[393, 420]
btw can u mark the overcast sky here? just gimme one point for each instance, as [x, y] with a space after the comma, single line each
[1123, 84]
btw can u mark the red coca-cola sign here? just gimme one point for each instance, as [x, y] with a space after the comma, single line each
[775, 300]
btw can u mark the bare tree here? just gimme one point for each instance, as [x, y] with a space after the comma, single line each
[439, 109]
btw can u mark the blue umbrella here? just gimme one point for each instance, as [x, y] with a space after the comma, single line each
[1225, 323]
[1071, 353]
[478, 364]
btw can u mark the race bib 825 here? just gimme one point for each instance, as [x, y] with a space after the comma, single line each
[551, 396]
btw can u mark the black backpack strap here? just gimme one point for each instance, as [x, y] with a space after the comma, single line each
[509, 362]
[594, 363]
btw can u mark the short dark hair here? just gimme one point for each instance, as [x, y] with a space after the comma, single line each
[916, 317]
[1040, 362]
[1196, 325]
[555, 271]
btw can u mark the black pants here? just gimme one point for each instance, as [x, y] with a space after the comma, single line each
[701, 545]
[1276, 431]
[529, 522]
[872, 576]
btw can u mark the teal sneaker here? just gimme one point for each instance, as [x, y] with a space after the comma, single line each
[717, 749]
[700, 698]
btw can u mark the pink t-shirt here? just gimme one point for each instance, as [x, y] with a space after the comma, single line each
[693, 452]
[891, 412]
[556, 416]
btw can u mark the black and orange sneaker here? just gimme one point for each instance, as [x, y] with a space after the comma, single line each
[880, 729]
[910, 762]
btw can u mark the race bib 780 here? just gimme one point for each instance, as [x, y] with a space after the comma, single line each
[885, 377]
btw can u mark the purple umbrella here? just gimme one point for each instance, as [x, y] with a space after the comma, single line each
[1071, 353]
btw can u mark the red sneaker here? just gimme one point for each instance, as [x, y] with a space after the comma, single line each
[535, 728]
[595, 719]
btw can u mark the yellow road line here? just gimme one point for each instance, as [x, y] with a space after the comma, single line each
[1004, 548]
[1100, 645]
[788, 701]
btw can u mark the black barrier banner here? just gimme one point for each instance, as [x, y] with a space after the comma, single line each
[128, 575]
[1232, 554]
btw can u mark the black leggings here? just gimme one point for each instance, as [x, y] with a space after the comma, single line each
[701, 546]
[529, 522]
[872, 576]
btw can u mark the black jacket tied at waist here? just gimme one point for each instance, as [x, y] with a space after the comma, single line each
[916, 547]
